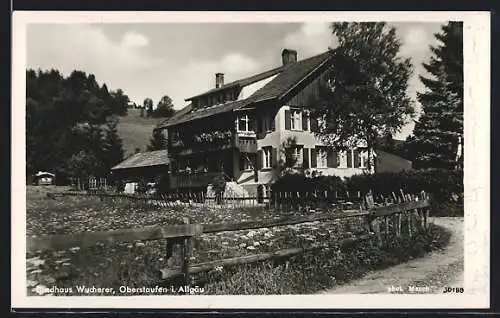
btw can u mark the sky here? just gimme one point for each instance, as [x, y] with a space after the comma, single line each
[149, 60]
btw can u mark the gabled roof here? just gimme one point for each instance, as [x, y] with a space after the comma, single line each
[242, 82]
[44, 173]
[288, 77]
[144, 159]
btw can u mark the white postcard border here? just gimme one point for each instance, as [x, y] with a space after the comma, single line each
[476, 161]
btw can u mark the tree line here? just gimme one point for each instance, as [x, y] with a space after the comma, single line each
[164, 108]
[71, 124]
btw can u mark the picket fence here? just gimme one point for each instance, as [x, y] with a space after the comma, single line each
[400, 214]
[280, 201]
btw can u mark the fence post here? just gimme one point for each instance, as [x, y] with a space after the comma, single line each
[399, 216]
[186, 254]
[275, 195]
[425, 211]
[386, 228]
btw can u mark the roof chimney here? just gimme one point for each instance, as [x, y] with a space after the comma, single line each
[219, 80]
[288, 56]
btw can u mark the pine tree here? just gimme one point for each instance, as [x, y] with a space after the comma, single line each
[112, 145]
[438, 134]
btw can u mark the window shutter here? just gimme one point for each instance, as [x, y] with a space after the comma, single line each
[271, 119]
[349, 158]
[305, 158]
[259, 161]
[330, 162]
[304, 121]
[260, 125]
[357, 159]
[314, 159]
[314, 125]
[274, 157]
[335, 159]
[255, 161]
[250, 123]
[288, 119]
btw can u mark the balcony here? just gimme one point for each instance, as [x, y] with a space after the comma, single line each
[200, 179]
[246, 145]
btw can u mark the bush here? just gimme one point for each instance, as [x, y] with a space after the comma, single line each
[441, 184]
[444, 186]
[142, 186]
[219, 186]
[323, 269]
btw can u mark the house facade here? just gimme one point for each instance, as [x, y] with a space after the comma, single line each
[252, 128]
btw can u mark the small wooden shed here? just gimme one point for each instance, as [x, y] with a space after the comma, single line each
[149, 165]
[44, 178]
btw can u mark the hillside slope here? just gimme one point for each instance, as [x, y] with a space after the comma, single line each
[136, 131]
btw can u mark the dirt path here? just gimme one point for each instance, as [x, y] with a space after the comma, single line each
[433, 272]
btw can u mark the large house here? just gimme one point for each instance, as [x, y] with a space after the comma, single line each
[243, 129]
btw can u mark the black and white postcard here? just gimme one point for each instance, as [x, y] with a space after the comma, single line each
[250, 160]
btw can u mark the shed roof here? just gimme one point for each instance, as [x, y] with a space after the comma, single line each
[144, 159]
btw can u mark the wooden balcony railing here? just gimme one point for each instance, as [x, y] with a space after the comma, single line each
[248, 145]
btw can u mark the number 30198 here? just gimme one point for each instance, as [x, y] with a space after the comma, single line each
[456, 290]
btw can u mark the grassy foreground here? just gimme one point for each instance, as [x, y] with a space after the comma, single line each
[137, 264]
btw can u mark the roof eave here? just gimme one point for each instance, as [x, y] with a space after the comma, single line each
[215, 90]
[329, 59]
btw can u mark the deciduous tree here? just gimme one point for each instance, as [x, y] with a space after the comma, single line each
[366, 92]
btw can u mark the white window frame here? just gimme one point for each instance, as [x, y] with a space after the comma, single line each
[266, 191]
[321, 123]
[363, 159]
[295, 119]
[266, 157]
[298, 155]
[321, 157]
[266, 122]
[342, 158]
[246, 119]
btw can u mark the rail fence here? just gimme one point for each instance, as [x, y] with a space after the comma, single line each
[398, 215]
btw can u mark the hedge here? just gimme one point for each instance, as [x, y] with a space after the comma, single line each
[444, 186]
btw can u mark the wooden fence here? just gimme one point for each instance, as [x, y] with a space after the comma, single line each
[402, 214]
[280, 201]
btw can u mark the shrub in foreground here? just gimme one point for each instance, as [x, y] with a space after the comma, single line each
[313, 272]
